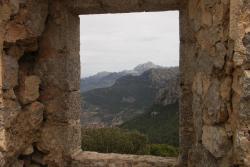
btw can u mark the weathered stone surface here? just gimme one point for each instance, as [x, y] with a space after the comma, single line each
[237, 87]
[220, 12]
[199, 156]
[207, 17]
[17, 164]
[15, 51]
[29, 91]
[92, 159]
[215, 140]
[208, 38]
[15, 32]
[209, 3]
[3, 140]
[28, 22]
[9, 112]
[65, 137]
[201, 84]
[10, 72]
[120, 6]
[38, 158]
[23, 128]
[9, 94]
[215, 108]
[34, 165]
[29, 121]
[226, 88]
[35, 114]
[219, 59]
[5, 12]
[242, 147]
[29, 150]
[40, 41]
[68, 102]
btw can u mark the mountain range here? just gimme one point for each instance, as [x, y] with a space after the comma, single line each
[129, 94]
[106, 79]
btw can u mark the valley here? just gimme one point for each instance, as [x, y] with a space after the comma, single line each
[144, 99]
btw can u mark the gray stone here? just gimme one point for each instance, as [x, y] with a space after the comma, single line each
[216, 141]
[29, 150]
[29, 89]
[10, 72]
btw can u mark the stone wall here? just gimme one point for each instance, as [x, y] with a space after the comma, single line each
[22, 113]
[40, 105]
[240, 118]
[220, 84]
[40, 70]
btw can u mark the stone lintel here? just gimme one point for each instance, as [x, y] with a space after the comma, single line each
[82, 7]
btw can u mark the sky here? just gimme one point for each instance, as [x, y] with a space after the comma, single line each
[115, 42]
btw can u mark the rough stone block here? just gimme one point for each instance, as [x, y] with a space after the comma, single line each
[9, 94]
[216, 141]
[3, 139]
[21, 130]
[221, 52]
[10, 72]
[66, 137]
[15, 32]
[215, 110]
[93, 159]
[246, 84]
[16, 51]
[29, 89]
[64, 107]
[242, 147]
[9, 113]
[200, 157]
[226, 88]
[220, 12]
[206, 17]
[37, 16]
[34, 115]
[5, 12]
[29, 150]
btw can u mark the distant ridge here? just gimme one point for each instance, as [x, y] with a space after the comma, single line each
[129, 96]
[106, 79]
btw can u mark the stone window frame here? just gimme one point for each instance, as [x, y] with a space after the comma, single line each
[39, 41]
[53, 42]
[186, 50]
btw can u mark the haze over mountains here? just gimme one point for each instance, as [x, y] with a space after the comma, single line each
[106, 79]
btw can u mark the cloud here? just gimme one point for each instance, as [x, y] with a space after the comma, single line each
[114, 42]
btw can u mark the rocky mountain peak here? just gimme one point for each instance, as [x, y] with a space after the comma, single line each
[146, 66]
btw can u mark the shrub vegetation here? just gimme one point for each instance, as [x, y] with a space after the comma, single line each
[115, 140]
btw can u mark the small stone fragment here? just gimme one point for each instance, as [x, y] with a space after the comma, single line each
[15, 32]
[16, 52]
[219, 59]
[225, 88]
[10, 72]
[206, 17]
[35, 113]
[29, 150]
[9, 94]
